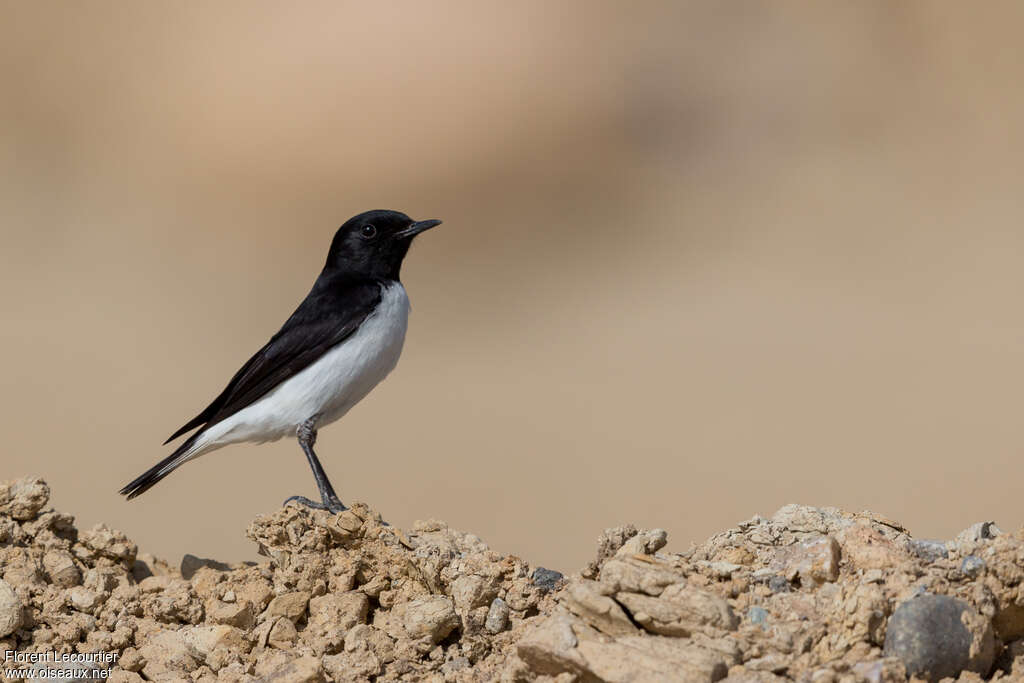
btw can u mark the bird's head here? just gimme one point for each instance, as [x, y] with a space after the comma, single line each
[374, 243]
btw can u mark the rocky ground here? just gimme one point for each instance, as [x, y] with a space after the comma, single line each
[810, 594]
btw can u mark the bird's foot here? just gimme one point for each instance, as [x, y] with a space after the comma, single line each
[331, 504]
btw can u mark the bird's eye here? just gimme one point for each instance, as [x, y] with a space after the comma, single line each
[368, 232]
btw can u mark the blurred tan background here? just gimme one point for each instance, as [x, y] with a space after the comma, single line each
[699, 260]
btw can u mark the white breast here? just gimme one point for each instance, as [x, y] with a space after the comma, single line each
[328, 388]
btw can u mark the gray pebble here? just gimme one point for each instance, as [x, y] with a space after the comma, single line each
[547, 579]
[930, 551]
[972, 565]
[758, 615]
[778, 584]
[497, 616]
[930, 635]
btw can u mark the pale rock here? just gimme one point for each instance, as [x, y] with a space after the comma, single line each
[814, 561]
[24, 498]
[203, 640]
[283, 634]
[238, 613]
[644, 543]
[430, 619]
[305, 669]
[680, 611]
[10, 610]
[84, 600]
[589, 601]
[333, 614]
[638, 574]
[167, 657]
[289, 605]
[471, 591]
[61, 569]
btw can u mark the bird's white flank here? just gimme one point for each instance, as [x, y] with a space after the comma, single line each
[327, 389]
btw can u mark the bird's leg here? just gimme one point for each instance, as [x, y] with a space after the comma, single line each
[306, 434]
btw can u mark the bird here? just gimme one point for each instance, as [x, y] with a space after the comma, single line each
[342, 340]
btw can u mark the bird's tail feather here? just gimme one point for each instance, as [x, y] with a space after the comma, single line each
[150, 477]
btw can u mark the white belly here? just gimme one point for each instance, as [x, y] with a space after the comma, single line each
[329, 387]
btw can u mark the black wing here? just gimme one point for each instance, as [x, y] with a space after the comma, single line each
[333, 310]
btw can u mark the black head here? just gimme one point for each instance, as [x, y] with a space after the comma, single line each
[374, 243]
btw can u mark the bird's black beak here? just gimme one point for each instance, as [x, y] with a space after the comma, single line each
[416, 228]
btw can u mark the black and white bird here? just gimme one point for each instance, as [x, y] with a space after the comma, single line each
[342, 340]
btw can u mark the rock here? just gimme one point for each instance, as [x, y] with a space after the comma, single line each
[759, 616]
[937, 636]
[237, 614]
[167, 656]
[203, 640]
[813, 562]
[84, 600]
[299, 670]
[471, 591]
[283, 634]
[10, 610]
[290, 605]
[680, 611]
[547, 579]
[109, 544]
[607, 545]
[332, 615]
[971, 566]
[638, 574]
[929, 551]
[497, 616]
[61, 569]
[430, 619]
[586, 600]
[981, 531]
[23, 499]
[644, 543]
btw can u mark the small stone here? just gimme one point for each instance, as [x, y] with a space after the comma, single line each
[471, 591]
[644, 543]
[680, 611]
[930, 551]
[24, 498]
[937, 636]
[306, 669]
[430, 619]
[778, 584]
[759, 616]
[497, 616]
[167, 656]
[546, 579]
[283, 634]
[289, 605]
[61, 569]
[84, 600]
[971, 566]
[229, 596]
[814, 562]
[636, 575]
[10, 610]
[203, 640]
[586, 600]
[981, 531]
[239, 614]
